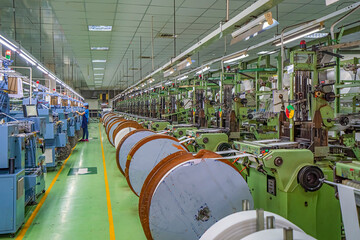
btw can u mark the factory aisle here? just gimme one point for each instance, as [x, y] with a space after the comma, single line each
[77, 206]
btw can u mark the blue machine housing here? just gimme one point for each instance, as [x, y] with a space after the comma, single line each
[12, 200]
[34, 162]
[78, 120]
[71, 123]
[60, 114]
[32, 130]
[51, 132]
[12, 194]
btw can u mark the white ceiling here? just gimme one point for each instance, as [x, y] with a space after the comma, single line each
[66, 22]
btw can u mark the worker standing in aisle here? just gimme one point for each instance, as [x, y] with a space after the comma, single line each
[85, 122]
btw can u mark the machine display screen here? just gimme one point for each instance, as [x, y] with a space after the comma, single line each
[30, 111]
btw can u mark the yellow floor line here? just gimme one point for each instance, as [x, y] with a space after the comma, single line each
[108, 201]
[42, 200]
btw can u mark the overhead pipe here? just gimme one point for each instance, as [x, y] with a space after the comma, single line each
[339, 20]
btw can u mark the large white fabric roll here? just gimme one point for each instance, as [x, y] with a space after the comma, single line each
[241, 224]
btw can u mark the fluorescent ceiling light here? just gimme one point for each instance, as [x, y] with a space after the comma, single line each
[42, 69]
[100, 48]
[263, 52]
[253, 28]
[203, 70]
[183, 64]
[266, 52]
[98, 74]
[52, 76]
[7, 44]
[264, 27]
[27, 58]
[183, 78]
[97, 69]
[98, 78]
[317, 35]
[7, 71]
[100, 28]
[300, 34]
[169, 72]
[254, 23]
[99, 61]
[236, 58]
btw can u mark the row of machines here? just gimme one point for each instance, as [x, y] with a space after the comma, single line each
[294, 138]
[185, 195]
[35, 136]
[62, 124]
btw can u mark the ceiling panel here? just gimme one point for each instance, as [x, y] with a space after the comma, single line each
[63, 27]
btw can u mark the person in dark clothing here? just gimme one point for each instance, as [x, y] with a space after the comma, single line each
[85, 122]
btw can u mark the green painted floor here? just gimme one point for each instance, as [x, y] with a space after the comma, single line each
[76, 207]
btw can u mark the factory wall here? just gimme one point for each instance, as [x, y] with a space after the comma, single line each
[93, 104]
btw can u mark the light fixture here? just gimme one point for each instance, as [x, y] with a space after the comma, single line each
[7, 71]
[183, 64]
[33, 61]
[99, 61]
[100, 48]
[98, 69]
[52, 76]
[265, 27]
[266, 52]
[169, 72]
[253, 28]
[203, 70]
[42, 69]
[27, 58]
[303, 33]
[317, 35]
[183, 78]
[100, 28]
[7, 44]
[236, 57]
[98, 74]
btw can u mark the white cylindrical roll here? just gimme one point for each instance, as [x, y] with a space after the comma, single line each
[276, 234]
[246, 85]
[121, 134]
[241, 224]
[194, 195]
[147, 156]
[264, 98]
[128, 143]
